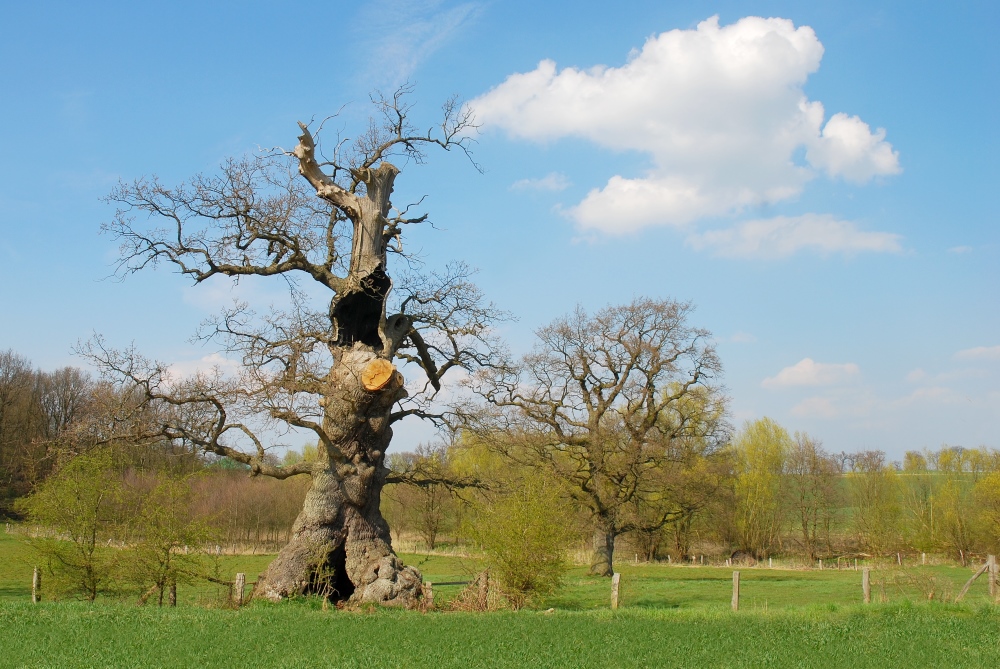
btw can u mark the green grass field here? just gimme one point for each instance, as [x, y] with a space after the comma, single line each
[670, 616]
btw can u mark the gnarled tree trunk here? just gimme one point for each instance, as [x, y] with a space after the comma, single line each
[602, 562]
[340, 544]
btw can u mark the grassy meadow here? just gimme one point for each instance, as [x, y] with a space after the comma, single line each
[669, 616]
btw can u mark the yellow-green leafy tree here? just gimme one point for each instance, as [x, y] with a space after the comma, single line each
[759, 452]
[875, 495]
[76, 511]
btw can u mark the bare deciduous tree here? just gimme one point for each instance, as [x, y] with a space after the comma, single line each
[811, 490]
[604, 402]
[301, 216]
[37, 411]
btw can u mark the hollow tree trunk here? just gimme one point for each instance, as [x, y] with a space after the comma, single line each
[340, 544]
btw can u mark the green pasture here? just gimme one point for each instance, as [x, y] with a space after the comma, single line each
[643, 586]
[670, 616]
[293, 635]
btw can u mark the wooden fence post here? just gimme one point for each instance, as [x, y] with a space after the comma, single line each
[923, 558]
[238, 585]
[770, 564]
[866, 585]
[428, 596]
[736, 591]
[615, 581]
[821, 564]
[36, 586]
[992, 561]
[484, 591]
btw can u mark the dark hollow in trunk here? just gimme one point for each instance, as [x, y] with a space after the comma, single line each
[340, 544]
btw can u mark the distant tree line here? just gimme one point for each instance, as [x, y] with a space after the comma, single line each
[47, 419]
[612, 432]
[764, 494]
[36, 410]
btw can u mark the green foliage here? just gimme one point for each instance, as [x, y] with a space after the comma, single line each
[875, 493]
[77, 510]
[429, 509]
[523, 537]
[986, 495]
[309, 453]
[760, 451]
[810, 492]
[165, 542]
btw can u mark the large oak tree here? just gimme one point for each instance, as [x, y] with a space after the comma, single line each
[299, 215]
[606, 403]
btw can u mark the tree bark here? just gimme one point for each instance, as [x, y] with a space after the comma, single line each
[340, 545]
[604, 550]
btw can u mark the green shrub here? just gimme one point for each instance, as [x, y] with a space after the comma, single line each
[76, 512]
[523, 535]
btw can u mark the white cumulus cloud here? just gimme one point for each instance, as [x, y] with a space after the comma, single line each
[849, 149]
[720, 110]
[784, 235]
[808, 372]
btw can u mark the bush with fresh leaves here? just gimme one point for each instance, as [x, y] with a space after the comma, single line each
[165, 543]
[523, 535]
[75, 511]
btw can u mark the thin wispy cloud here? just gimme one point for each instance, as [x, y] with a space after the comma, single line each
[209, 364]
[815, 407]
[935, 395]
[408, 32]
[553, 182]
[979, 353]
[742, 338]
[784, 236]
[808, 372]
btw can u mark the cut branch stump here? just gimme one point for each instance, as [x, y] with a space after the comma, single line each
[377, 374]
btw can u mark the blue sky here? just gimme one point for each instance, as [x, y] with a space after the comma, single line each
[822, 187]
